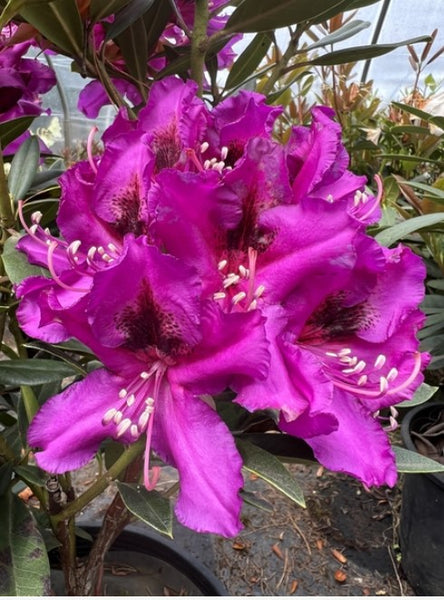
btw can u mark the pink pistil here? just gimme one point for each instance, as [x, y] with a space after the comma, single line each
[89, 146]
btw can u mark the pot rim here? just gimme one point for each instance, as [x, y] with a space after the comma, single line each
[406, 426]
[167, 550]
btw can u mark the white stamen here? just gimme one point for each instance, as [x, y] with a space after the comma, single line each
[222, 264]
[117, 417]
[134, 431]
[362, 380]
[123, 426]
[224, 152]
[144, 375]
[207, 165]
[101, 250]
[74, 246]
[360, 366]
[219, 296]
[344, 352]
[108, 416]
[393, 423]
[130, 400]
[392, 374]
[243, 271]
[213, 161]
[231, 280]
[380, 361]
[219, 166]
[332, 354]
[204, 147]
[36, 217]
[112, 247]
[238, 297]
[143, 420]
[149, 401]
[383, 385]
[33, 228]
[253, 305]
[91, 252]
[357, 198]
[106, 257]
[259, 291]
[345, 359]
[123, 393]
[330, 199]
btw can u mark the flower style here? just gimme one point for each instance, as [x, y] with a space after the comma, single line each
[239, 262]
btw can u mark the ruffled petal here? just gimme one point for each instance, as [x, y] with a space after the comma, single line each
[189, 435]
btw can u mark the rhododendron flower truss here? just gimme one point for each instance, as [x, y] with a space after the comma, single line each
[163, 348]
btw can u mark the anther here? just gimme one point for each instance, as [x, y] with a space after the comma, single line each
[134, 431]
[222, 264]
[330, 199]
[231, 280]
[392, 374]
[380, 361]
[108, 416]
[123, 393]
[383, 385]
[117, 417]
[33, 228]
[91, 252]
[143, 420]
[219, 296]
[204, 147]
[112, 247]
[149, 401]
[131, 399]
[123, 426]
[253, 305]
[238, 297]
[224, 152]
[144, 375]
[332, 354]
[244, 272]
[36, 217]
[74, 246]
[259, 291]
[207, 164]
[360, 366]
[362, 380]
[344, 352]
[219, 166]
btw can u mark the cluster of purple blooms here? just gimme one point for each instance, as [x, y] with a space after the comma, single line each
[198, 254]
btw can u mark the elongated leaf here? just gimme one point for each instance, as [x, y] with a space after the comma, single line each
[59, 21]
[24, 565]
[393, 234]
[133, 44]
[262, 15]
[422, 394]
[16, 263]
[434, 192]
[31, 474]
[99, 9]
[343, 33]
[149, 507]
[425, 116]
[5, 479]
[34, 371]
[360, 3]
[270, 469]
[255, 501]
[249, 60]
[347, 55]
[155, 21]
[23, 168]
[13, 7]
[411, 158]
[11, 130]
[408, 461]
[127, 16]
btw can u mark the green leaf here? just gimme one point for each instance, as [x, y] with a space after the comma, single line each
[24, 564]
[408, 461]
[249, 60]
[59, 21]
[23, 168]
[155, 21]
[16, 263]
[422, 394]
[99, 9]
[270, 469]
[10, 130]
[254, 500]
[411, 158]
[35, 371]
[127, 16]
[13, 7]
[433, 193]
[262, 15]
[134, 47]
[31, 474]
[393, 234]
[343, 33]
[149, 507]
[347, 55]
[5, 479]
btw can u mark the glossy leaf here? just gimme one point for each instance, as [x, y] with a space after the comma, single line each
[149, 507]
[256, 501]
[59, 21]
[128, 15]
[155, 20]
[99, 9]
[31, 474]
[393, 234]
[270, 469]
[13, 7]
[249, 60]
[411, 158]
[16, 264]
[34, 371]
[262, 15]
[343, 33]
[422, 394]
[347, 55]
[5, 479]
[408, 461]
[23, 168]
[133, 45]
[11, 130]
[24, 565]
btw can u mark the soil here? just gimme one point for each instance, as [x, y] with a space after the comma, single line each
[343, 544]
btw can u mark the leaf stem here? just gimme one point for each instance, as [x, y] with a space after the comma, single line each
[102, 483]
[199, 42]
[7, 218]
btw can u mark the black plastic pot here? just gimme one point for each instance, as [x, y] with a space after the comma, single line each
[422, 515]
[143, 563]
